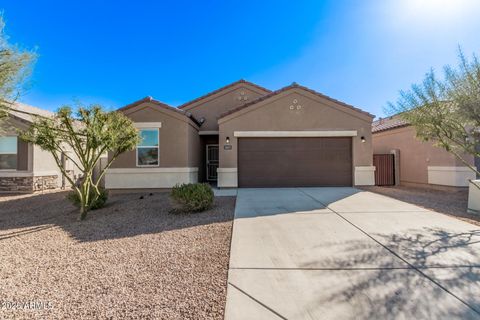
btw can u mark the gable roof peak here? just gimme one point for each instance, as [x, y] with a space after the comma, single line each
[161, 105]
[146, 99]
[241, 81]
[292, 86]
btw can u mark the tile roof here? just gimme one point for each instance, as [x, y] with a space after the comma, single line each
[388, 123]
[223, 88]
[293, 85]
[161, 105]
[26, 112]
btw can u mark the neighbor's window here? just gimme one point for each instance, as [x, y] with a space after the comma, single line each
[147, 149]
[8, 153]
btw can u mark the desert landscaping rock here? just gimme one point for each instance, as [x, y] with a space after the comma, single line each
[131, 259]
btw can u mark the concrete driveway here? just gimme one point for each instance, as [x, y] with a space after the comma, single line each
[343, 253]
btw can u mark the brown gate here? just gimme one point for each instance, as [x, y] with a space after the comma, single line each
[384, 169]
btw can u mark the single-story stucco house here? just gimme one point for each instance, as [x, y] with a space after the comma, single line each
[244, 135]
[25, 167]
[419, 163]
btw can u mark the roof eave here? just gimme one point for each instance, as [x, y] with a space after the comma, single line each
[222, 89]
[292, 86]
[162, 105]
[391, 128]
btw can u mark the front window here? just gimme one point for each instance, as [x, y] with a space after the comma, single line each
[148, 148]
[8, 153]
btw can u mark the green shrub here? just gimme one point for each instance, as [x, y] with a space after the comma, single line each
[192, 197]
[97, 204]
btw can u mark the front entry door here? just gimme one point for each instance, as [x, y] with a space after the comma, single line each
[212, 162]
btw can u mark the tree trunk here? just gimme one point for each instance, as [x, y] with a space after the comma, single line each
[83, 212]
[84, 199]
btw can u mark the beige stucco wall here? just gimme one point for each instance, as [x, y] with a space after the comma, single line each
[315, 114]
[10, 126]
[43, 161]
[44, 165]
[212, 106]
[179, 151]
[175, 130]
[193, 147]
[415, 156]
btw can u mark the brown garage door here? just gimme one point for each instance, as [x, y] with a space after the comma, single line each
[294, 162]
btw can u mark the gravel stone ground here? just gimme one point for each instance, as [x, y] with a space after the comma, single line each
[450, 202]
[129, 260]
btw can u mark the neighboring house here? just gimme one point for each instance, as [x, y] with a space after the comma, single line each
[420, 163]
[243, 135]
[25, 167]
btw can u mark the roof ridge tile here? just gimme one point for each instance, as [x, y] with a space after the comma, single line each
[162, 105]
[293, 85]
[221, 89]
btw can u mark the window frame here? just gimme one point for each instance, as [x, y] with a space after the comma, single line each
[158, 148]
[9, 153]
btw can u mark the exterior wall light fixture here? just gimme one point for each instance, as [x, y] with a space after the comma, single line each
[362, 138]
[227, 140]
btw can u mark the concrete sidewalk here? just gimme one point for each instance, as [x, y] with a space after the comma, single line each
[342, 253]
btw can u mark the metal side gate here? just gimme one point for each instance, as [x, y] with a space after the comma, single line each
[384, 169]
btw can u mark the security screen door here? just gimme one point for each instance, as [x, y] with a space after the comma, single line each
[212, 162]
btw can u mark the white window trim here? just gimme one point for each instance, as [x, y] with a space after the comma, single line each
[147, 125]
[16, 154]
[158, 153]
[319, 133]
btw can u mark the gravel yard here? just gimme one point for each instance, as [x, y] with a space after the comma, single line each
[453, 202]
[131, 259]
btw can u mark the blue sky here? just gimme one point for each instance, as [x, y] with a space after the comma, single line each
[116, 52]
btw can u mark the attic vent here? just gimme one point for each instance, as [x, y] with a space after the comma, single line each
[295, 105]
[242, 96]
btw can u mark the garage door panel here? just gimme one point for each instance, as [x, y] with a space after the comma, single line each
[294, 162]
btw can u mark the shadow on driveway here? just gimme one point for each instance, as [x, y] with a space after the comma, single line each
[345, 253]
[405, 292]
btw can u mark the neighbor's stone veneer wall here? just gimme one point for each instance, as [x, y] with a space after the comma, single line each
[28, 184]
[45, 182]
